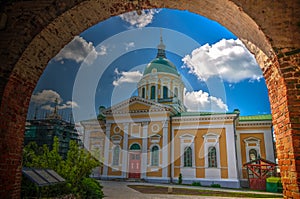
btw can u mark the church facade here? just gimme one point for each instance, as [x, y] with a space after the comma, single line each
[153, 138]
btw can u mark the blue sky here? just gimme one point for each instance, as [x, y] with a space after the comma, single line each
[102, 66]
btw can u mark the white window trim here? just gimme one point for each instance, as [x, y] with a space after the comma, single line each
[183, 144]
[155, 140]
[252, 140]
[176, 87]
[210, 136]
[133, 144]
[119, 158]
[159, 158]
[116, 139]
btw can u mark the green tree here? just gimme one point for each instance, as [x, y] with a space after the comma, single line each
[75, 169]
[78, 165]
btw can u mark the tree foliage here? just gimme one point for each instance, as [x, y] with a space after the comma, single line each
[76, 169]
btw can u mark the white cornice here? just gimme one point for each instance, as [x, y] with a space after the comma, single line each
[242, 124]
[118, 109]
[222, 118]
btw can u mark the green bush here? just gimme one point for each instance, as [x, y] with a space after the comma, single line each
[196, 184]
[91, 188]
[180, 179]
[215, 185]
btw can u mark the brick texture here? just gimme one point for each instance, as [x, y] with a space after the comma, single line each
[36, 30]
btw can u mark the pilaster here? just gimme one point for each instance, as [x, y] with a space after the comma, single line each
[106, 150]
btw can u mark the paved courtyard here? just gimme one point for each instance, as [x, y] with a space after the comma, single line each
[118, 190]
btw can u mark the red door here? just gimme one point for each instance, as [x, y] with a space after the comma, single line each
[134, 165]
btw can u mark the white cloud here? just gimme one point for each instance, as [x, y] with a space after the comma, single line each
[47, 107]
[129, 45]
[103, 50]
[127, 77]
[80, 50]
[46, 100]
[68, 104]
[141, 20]
[202, 101]
[227, 59]
[46, 96]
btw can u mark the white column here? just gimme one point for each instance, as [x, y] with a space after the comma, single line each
[172, 153]
[231, 152]
[165, 151]
[239, 154]
[149, 90]
[144, 150]
[180, 93]
[125, 151]
[269, 147]
[156, 92]
[170, 90]
[106, 150]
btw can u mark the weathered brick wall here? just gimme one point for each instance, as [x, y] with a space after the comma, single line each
[35, 31]
[283, 82]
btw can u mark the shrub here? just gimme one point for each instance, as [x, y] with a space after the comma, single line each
[215, 185]
[196, 184]
[91, 188]
[180, 179]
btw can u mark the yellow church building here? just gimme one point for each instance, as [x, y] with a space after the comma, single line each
[151, 137]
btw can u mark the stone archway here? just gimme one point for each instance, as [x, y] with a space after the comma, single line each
[33, 34]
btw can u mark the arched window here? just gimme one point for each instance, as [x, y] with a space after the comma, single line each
[252, 146]
[165, 92]
[176, 92]
[252, 154]
[143, 92]
[135, 147]
[212, 157]
[116, 156]
[152, 96]
[154, 156]
[188, 157]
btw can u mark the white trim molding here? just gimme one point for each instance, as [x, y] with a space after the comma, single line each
[252, 143]
[187, 140]
[212, 140]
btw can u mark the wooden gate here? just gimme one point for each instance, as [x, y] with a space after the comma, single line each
[258, 170]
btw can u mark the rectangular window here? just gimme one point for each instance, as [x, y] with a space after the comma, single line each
[143, 93]
[155, 156]
[212, 157]
[152, 95]
[188, 157]
[165, 92]
[116, 156]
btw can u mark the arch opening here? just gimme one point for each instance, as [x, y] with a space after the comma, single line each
[47, 44]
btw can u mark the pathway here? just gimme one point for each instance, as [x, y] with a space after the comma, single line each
[119, 190]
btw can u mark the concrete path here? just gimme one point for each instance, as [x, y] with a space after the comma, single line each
[120, 190]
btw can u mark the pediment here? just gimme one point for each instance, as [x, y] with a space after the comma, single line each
[136, 105]
[252, 140]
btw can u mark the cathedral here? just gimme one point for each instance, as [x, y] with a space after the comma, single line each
[151, 137]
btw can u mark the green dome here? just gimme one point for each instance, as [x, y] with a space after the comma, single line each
[161, 65]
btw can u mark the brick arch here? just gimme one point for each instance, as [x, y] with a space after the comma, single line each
[33, 34]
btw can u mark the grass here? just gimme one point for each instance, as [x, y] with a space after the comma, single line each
[198, 192]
